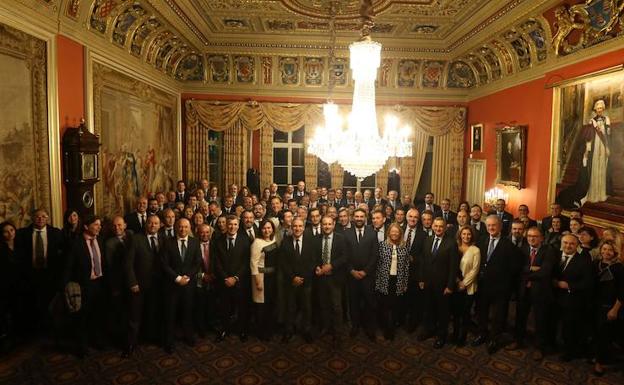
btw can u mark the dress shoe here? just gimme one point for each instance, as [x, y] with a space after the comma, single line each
[169, 349]
[354, 332]
[243, 337]
[537, 355]
[439, 343]
[220, 336]
[480, 340]
[128, 352]
[492, 347]
[286, 338]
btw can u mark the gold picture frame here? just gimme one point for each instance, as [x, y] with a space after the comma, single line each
[476, 138]
[511, 156]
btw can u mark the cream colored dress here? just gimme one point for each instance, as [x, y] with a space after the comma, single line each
[256, 263]
[469, 267]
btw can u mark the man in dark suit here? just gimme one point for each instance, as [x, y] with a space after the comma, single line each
[535, 291]
[86, 266]
[499, 266]
[429, 205]
[181, 258]
[249, 228]
[340, 199]
[300, 191]
[477, 224]
[136, 220]
[447, 214]
[229, 207]
[205, 293]
[426, 221]
[414, 240]
[344, 222]
[393, 200]
[505, 216]
[300, 255]
[438, 276]
[143, 273]
[236, 197]
[232, 272]
[362, 264]
[181, 194]
[555, 211]
[523, 212]
[331, 277]
[168, 222]
[516, 235]
[573, 284]
[115, 251]
[378, 199]
[314, 216]
[378, 218]
[41, 266]
[215, 212]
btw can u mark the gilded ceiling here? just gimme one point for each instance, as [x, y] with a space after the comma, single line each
[283, 44]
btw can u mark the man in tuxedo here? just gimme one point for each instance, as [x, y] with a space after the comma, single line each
[167, 230]
[249, 228]
[523, 212]
[143, 273]
[499, 266]
[536, 292]
[86, 266]
[331, 276]
[300, 255]
[314, 215]
[181, 194]
[205, 296]
[181, 259]
[378, 198]
[555, 211]
[504, 215]
[449, 216]
[573, 277]
[477, 224]
[232, 272]
[136, 220]
[300, 192]
[361, 265]
[115, 251]
[379, 225]
[428, 204]
[41, 267]
[414, 241]
[440, 263]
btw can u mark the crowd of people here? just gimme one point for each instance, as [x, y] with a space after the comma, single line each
[314, 262]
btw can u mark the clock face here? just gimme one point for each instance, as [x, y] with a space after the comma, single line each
[87, 199]
[89, 166]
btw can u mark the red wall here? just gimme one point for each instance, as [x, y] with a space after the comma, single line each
[71, 89]
[528, 104]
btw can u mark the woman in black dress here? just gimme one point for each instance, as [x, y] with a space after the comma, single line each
[9, 290]
[72, 226]
[608, 298]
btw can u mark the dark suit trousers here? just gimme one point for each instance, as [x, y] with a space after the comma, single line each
[437, 311]
[497, 301]
[205, 308]
[179, 299]
[541, 314]
[414, 306]
[388, 307]
[143, 317]
[362, 302]
[572, 329]
[234, 305]
[330, 302]
[299, 305]
[92, 315]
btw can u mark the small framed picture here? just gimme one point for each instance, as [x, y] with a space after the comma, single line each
[89, 166]
[476, 138]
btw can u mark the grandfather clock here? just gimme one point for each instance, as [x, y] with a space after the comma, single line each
[80, 167]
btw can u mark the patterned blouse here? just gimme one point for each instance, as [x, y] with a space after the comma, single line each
[383, 268]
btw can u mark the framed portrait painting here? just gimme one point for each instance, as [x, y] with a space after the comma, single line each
[587, 147]
[476, 138]
[511, 156]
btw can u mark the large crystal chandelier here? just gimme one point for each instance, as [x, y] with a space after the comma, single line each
[359, 149]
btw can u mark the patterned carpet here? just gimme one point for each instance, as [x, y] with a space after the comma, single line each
[404, 361]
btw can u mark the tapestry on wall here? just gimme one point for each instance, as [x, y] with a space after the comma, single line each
[138, 130]
[24, 160]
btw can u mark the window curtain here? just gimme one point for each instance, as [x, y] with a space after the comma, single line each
[445, 124]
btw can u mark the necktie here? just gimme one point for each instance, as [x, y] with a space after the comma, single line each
[182, 249]
[297, 248]
[97, 265]
[359, 235]
[490, 248]
[170, 233]
[436, 244]
[142, 220]
[409, 238]
[445, 216]
[326, 251]
[564, 262]
[153, 244]
[230, 243]
[251, 234]
[533, 254]
[206, 255]
[39, 251]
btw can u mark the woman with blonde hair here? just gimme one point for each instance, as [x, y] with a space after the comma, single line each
[463, 297]
[391, 277]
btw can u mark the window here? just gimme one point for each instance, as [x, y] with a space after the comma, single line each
[288, 157]
[215, 155]
[353, 183]
[424, 185]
